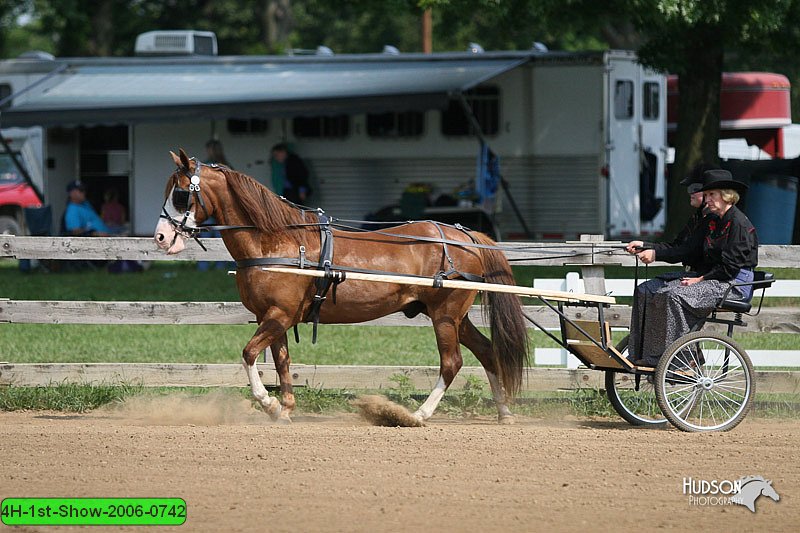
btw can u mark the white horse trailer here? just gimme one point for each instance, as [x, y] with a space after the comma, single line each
[581, 137]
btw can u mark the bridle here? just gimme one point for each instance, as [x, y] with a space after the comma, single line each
[182, 200]
[177, 207]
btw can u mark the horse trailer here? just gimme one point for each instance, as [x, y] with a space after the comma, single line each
[581, 137]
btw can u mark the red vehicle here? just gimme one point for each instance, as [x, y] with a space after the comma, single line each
[15, 194]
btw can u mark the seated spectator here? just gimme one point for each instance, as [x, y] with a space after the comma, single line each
[113, 212]
[80, 218]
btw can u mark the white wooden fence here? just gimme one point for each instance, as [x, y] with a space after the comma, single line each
[590, 256]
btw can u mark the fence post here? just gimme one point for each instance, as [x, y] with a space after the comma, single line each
[594, 279]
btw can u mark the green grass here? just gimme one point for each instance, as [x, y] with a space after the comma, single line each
[336, 344]
[64, 397]
[164, 281]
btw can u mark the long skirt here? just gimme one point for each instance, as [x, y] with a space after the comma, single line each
[664, 310]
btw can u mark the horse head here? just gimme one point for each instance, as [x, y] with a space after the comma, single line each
[769, 491]
[187, 203]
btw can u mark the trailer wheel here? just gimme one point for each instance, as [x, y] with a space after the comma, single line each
[637, 405]
[705, 382]
[9, 226]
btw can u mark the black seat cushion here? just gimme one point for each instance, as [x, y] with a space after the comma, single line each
[737, 306]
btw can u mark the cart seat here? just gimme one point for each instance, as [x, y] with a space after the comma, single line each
[729, 302]
[737, 306]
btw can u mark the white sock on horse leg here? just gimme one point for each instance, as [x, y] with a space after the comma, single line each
[271, 405]
[499, 395]
[426, 409]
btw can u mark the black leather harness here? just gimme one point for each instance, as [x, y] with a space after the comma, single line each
[336, 274]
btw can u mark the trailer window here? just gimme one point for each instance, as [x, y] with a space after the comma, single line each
[392, 125]
[239, 126]
[651, 96]
[334, 127]
[623, 99]
[485, 104]
[5, 92]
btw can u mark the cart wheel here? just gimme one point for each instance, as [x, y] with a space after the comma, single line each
[704, 382]
[638, 407]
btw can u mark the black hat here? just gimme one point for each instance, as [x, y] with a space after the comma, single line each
[76, 184]
[696, 174]
[721, 179]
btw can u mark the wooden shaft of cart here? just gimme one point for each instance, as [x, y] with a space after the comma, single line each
[454, 284]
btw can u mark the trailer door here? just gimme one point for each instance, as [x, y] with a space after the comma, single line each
[622, 147]
[652, 193]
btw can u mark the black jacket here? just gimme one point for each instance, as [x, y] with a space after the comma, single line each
[685, 247]
[297, 176]
[730, 245]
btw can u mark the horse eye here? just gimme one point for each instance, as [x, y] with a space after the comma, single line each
[180, 199]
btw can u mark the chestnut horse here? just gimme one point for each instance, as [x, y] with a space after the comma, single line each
[260, 224]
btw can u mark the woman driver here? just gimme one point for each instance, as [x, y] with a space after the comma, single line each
[729, 252]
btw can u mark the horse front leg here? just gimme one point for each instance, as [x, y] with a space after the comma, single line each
[478, 344]
[268, 331]
[450, 363]
[280, 354]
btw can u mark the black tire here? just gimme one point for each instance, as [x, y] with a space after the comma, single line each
[705, 382]
[638, 408]
[9, 226]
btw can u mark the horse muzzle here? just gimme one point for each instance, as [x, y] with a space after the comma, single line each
[167, 239]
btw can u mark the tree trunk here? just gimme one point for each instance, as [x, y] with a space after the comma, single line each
[102, 21]
[697, 136]
[278, 23]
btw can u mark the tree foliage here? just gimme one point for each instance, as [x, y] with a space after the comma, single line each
[698, 41]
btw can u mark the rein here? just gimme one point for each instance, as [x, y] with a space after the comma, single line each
[184, 199]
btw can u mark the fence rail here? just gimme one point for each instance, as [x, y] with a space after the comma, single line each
[589, 256]
[578, 253]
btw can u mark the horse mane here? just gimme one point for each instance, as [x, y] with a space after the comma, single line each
[745, 480]
[267, 211]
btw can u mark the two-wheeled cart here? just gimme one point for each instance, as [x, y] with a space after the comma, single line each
[704, 381]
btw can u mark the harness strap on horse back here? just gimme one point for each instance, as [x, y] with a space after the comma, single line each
[324, 284]
[453, 270]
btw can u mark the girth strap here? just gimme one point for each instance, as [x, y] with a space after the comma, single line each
[323, 285]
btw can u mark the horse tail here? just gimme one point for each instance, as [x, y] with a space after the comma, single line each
[507, 322]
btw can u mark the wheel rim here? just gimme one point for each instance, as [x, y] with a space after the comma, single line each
[639, 407]
[642, 404]
[707, 384]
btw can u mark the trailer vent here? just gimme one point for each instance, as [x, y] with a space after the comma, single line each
[178, 42]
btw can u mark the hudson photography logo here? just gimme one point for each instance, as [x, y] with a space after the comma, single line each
[744, 491]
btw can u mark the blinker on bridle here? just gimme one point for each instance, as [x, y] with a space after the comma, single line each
[183, 200]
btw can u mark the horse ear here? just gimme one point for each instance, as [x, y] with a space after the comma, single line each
[175, 158]
[184, 159]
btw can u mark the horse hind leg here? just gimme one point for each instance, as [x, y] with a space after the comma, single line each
[479, 345]
[449, 364]
[263, 337]
[280, 354]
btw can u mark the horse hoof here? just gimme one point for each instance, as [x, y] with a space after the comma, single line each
[273, 409]
[506, 420]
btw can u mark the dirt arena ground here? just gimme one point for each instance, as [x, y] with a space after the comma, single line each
[238, 472]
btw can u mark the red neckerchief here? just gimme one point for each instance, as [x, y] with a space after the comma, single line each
[716, 234]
